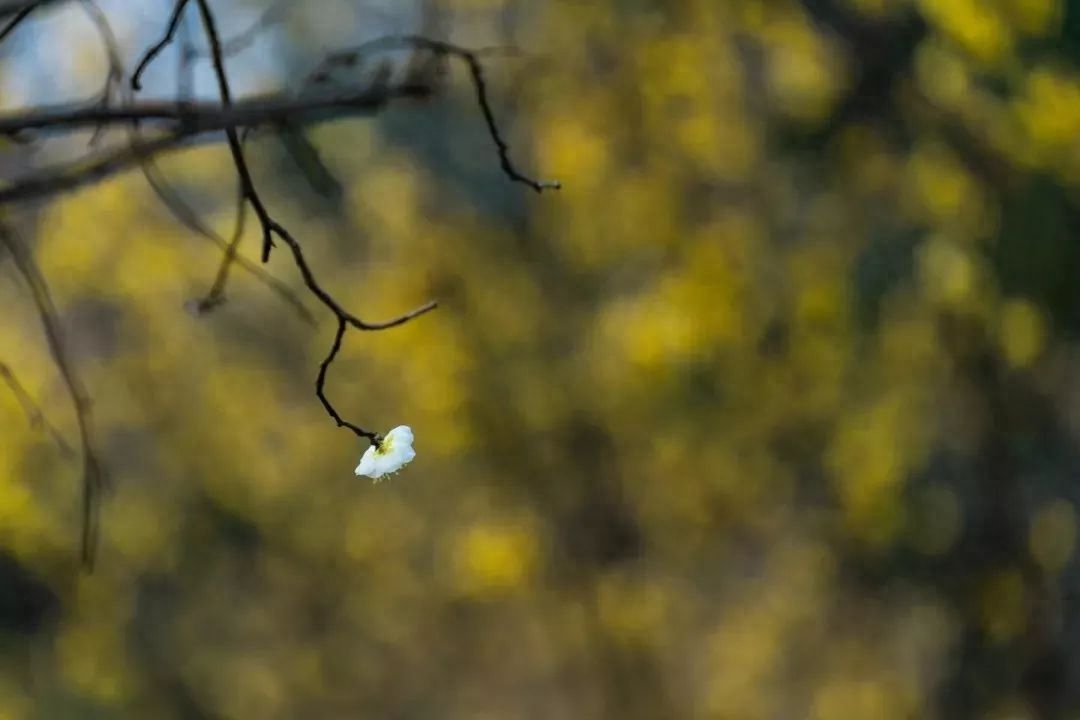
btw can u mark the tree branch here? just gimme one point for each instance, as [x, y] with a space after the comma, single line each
[16, 21]
[471, 58]
[190, 119]
[180, 125]
[320, 385]
[271, 227]
[94, 481]
[344, 320]
[114, 76]
[176, 205]
[188, 123]
[246, 38]
[156, 48]
[476, 70]
[15, 7]
[33, 413]
[197, 118]
[209, 23]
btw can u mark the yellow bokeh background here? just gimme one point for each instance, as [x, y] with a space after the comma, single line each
[769, 412]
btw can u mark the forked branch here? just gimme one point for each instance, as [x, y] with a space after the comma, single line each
[177, 125]
[93, 477]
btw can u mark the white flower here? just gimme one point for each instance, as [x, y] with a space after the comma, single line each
[386, 457]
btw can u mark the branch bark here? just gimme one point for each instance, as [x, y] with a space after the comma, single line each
[180, 124]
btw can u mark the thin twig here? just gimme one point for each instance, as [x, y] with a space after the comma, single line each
[271, 227]
[235, 146]
[16, 21]
[187, 120]
[33, 413]
[476, 70]
[14, 7]
[156, 48]
[180, 209]
[197, 118]
[185, 75]
[209, 23]
[246, 38]
[328, 300]
[471, 58]
[72, 176]
[114, 76]
[320, 384]
[344, 320]
[158, 184]
[216, 294]
[94, 481]
[187, 216]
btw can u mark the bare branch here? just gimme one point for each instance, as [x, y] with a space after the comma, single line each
[17, 20]
[246, 38]
[190, 219]
[94, 481]
[156, 48]
[33, 413]
[270, 227]
[328, 300]
[191, 121]
[180, 124]
[15, 7]
[197, 118]
[184, 213]
[216, 295]
[114, 76]
[471, 58]
[344, 320]
[68, 177]
[187, 216]
[235, 146]
[209, 23]
[320, 385]
[476, 70]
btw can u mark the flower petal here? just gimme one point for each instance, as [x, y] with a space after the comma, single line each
[368, 464]
[402, 434]
[393, 453]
